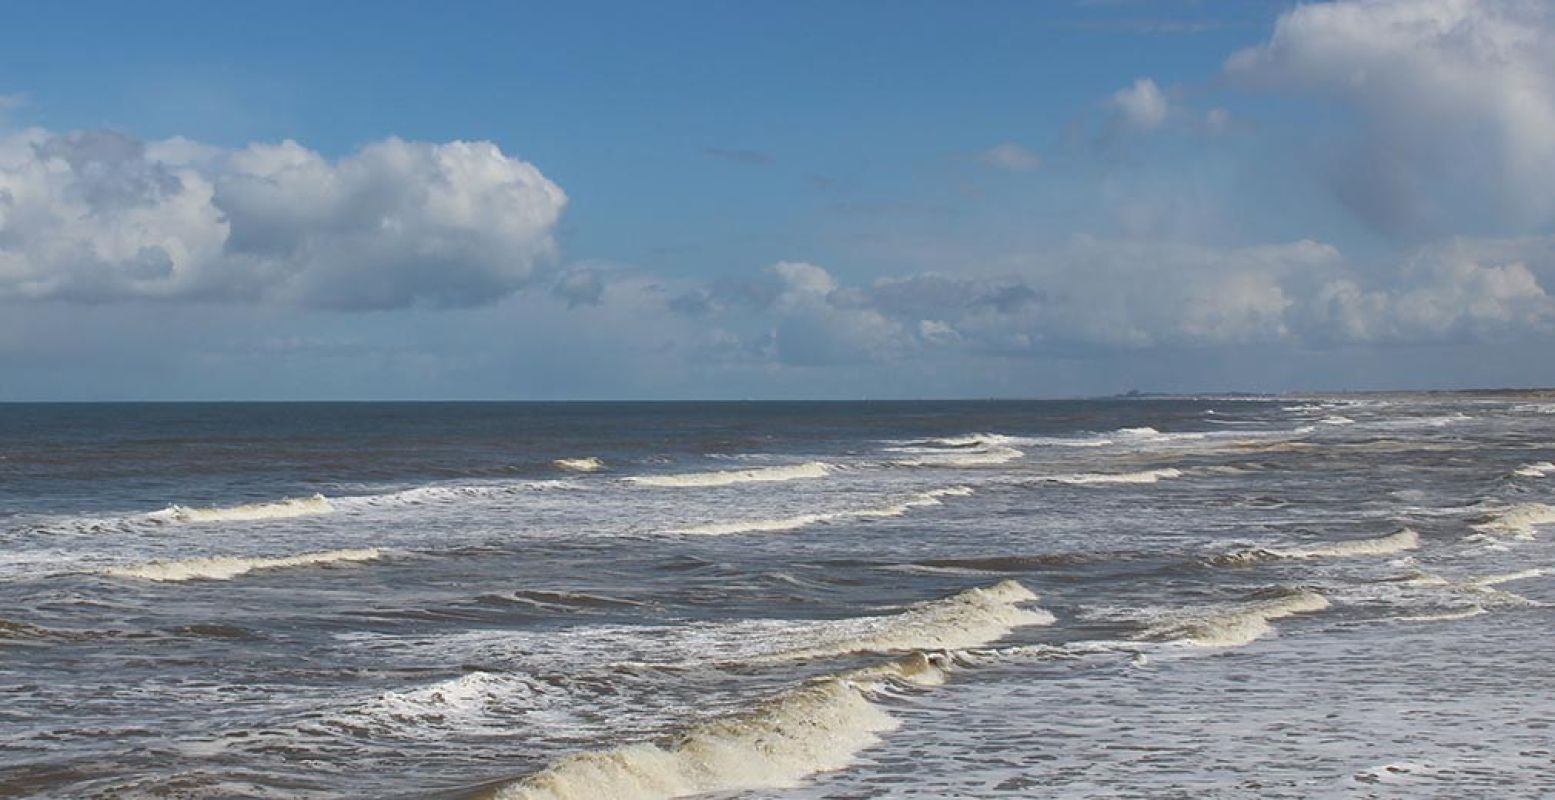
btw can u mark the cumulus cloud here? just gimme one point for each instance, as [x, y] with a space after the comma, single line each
[1103, 296]
[101, 216]
[1010, 157]
[1456, 100]
[1142, 106]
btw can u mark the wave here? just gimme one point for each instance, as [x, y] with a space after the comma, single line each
[226, 567]
[1404, 539]
[1088, 478]
[968, 619]
[1336, 419]
[447, 493]
[1538, 469]
[587, 464]
[1239, 625]
[982, 457]
[929, 498]
[789, 472]
[817, 727]
[290, 507]
[1446, 616]
[1519, 521]
[1506, 577]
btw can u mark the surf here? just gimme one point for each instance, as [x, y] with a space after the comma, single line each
[249, 512]
[816, 727]
[227, 567]
[1404, 539]
[811, 469]
[1236, 625]
[920, 500]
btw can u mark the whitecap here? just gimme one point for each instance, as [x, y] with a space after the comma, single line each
[226, 567]
[789, 472]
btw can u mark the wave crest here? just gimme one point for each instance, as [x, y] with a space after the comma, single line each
[225, 567]
[1519, 521]
[1538, 469]
[816, 727]
[971, 618]
[1090, 478]
[929, 498]
[1239, 625]
[1404, 539]
[979, 457]
[587, 464]
[290, 507]
[789, 472]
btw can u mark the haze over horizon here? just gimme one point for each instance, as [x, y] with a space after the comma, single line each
[796, 200]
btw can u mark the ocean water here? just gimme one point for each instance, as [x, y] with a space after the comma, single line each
[1149, 598]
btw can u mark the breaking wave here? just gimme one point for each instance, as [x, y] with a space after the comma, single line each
[1238, 625]
[1538, 469]
[929, 498]
[290, 507]
[447, 493]
[812, 469]
[226, 567]
[979, 457]
[588, 464]
[1088, 478]
[817, 727]
[1519, 520]
[1404, 539]
[1445, 616]
[969, 619]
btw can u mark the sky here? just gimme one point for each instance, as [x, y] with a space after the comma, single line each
[774, 200]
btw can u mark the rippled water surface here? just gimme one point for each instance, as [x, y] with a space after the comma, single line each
[1151, 598]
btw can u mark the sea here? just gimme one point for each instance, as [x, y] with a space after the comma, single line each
[1342, 596]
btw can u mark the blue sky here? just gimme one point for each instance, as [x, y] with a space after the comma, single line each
[773, 200]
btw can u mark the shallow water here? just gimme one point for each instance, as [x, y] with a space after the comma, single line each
[1230, 597]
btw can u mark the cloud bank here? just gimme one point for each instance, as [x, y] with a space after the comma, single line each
[1096, 296]
[98, 216]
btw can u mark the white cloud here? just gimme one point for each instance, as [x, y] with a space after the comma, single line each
[1141, 106]
[1456, 99]
[1011, 157]
[1099, 296]
[100, 216]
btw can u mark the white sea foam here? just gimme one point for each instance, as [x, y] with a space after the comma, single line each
[788, 472]
[813, 728]
[1089, 478]
[1506, 577]
[290, 507]
[1404, 539]
[1336, 419]
[980, 457]
[1445, 616]
[588, 464]
[969, 619]
[1519, 521]
[922, 499]
[817, 727]
[1538, 469]
[1236, 625]
[225, 567]
[448, 493]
